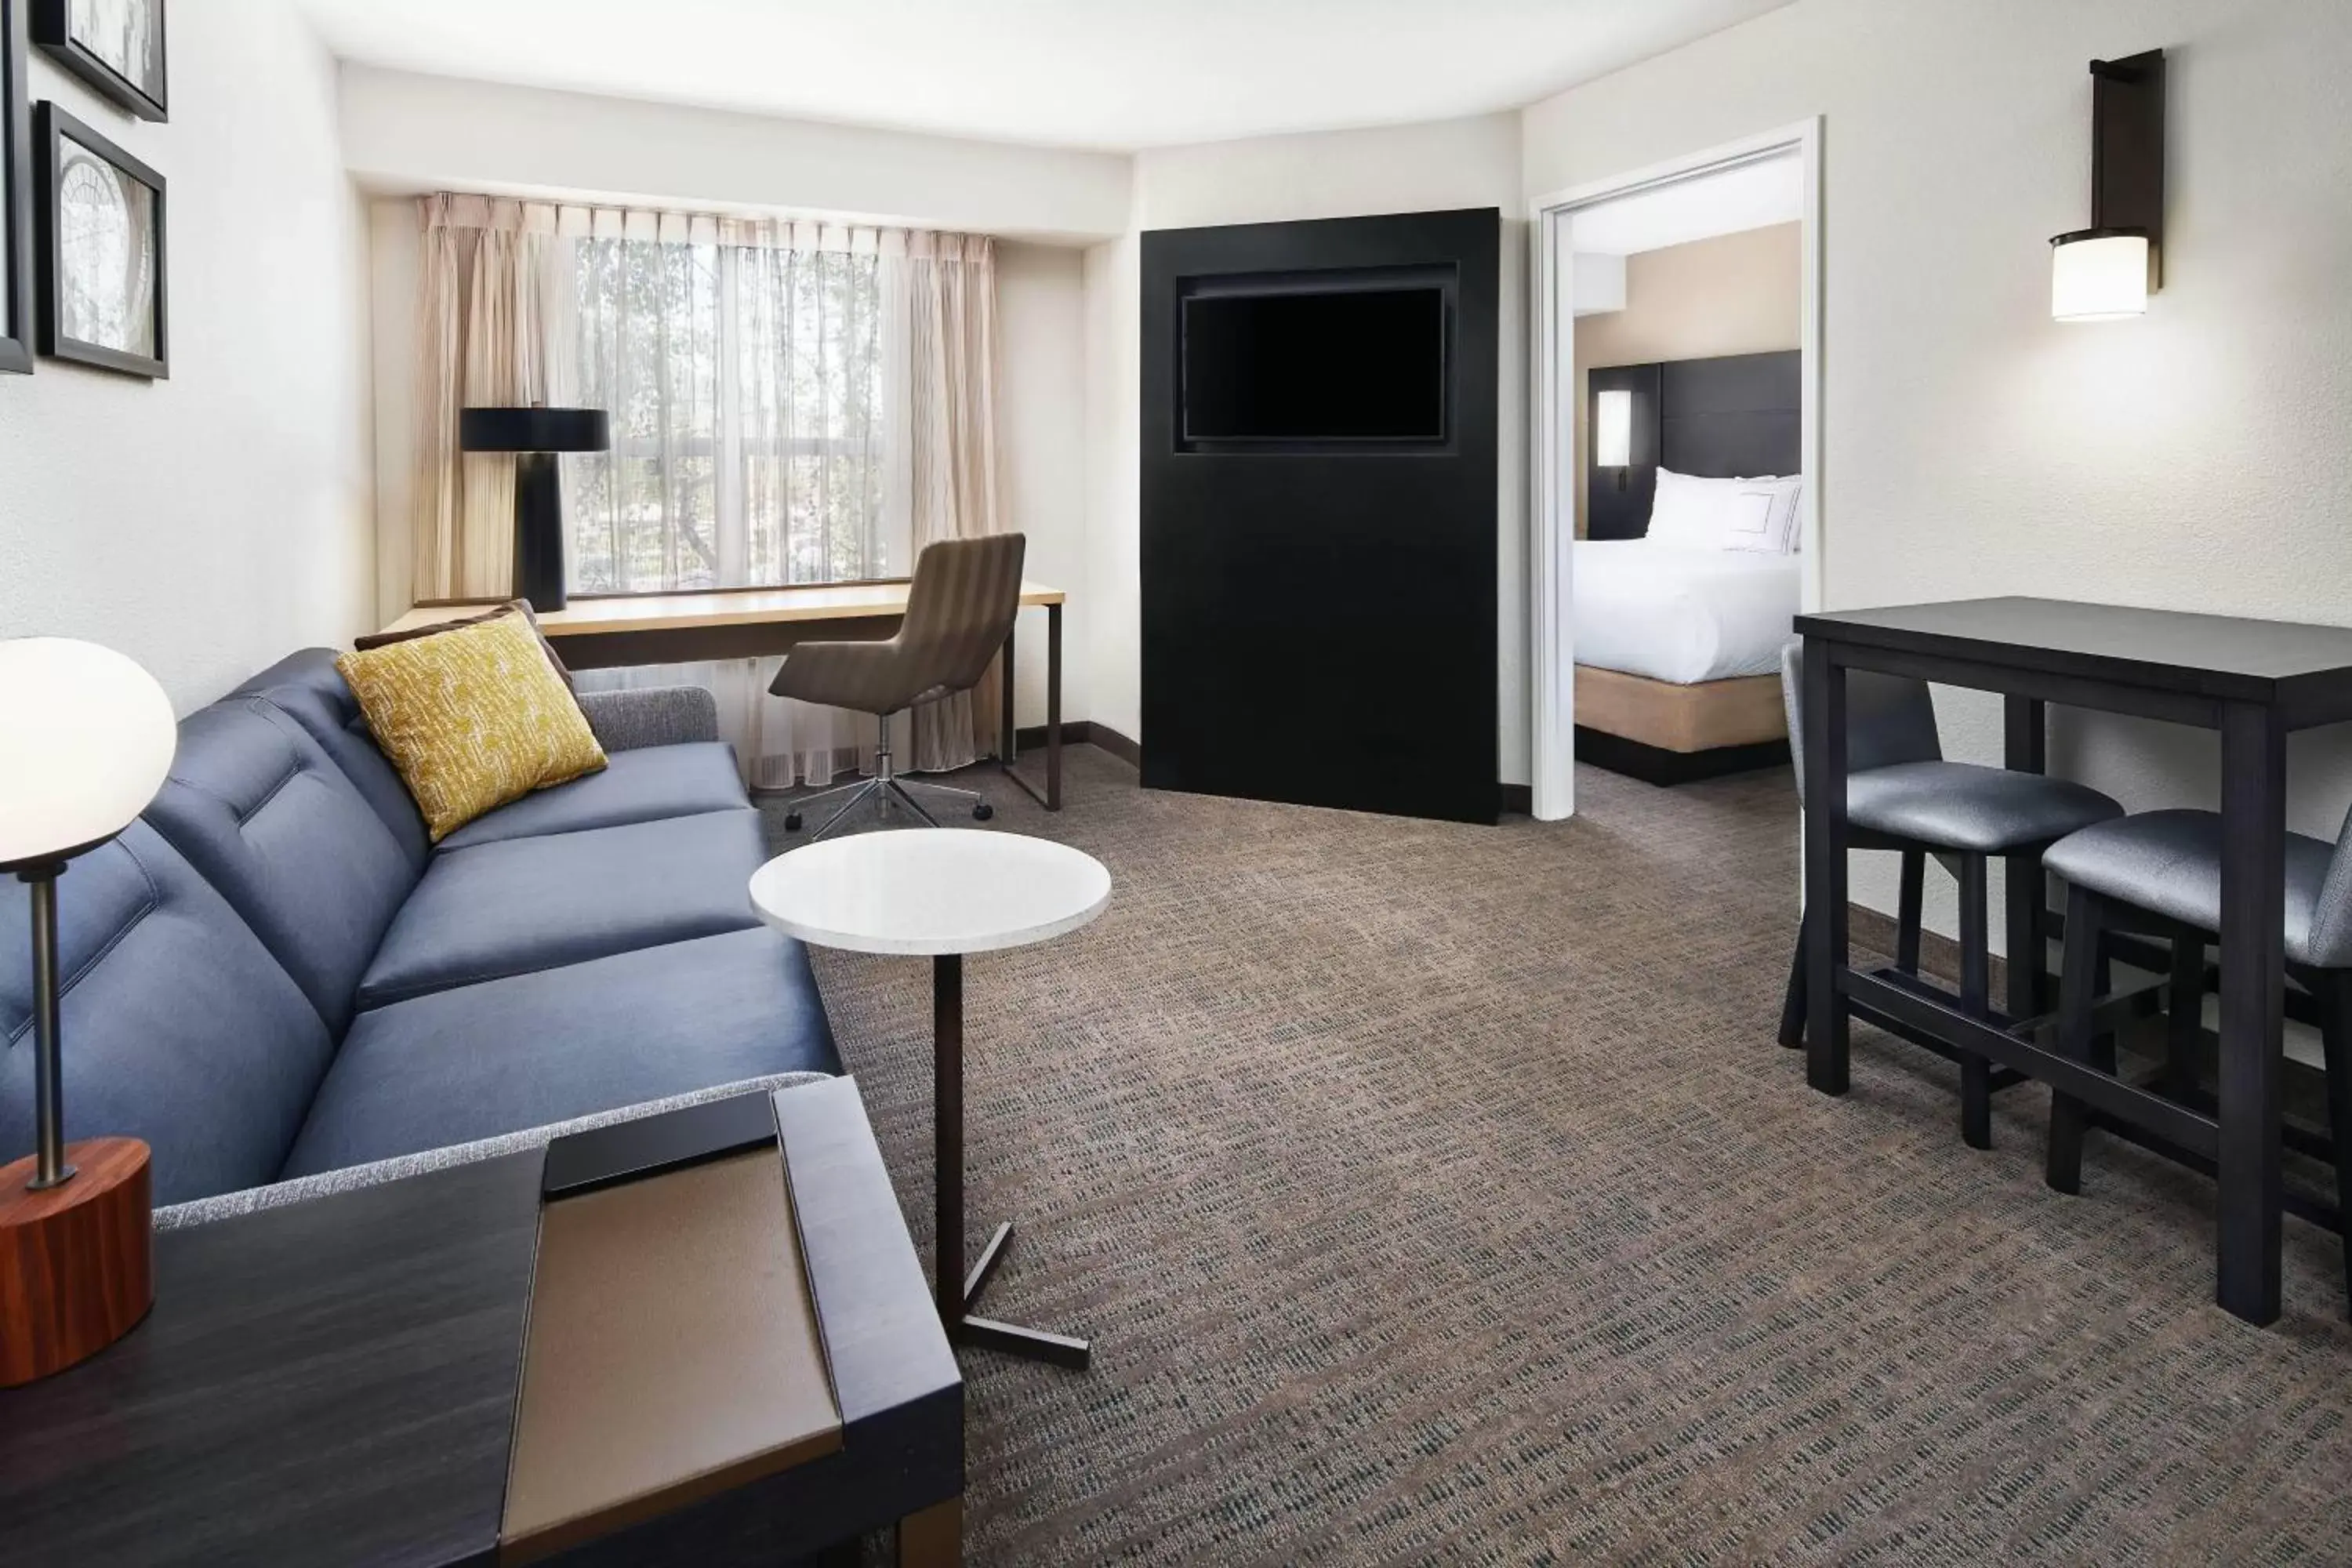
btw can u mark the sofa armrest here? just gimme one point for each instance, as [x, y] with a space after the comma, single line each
[651, 716]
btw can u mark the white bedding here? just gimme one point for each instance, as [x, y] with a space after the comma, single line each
[1678, 614]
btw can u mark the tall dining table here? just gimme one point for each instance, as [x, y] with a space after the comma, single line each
[2252, 681]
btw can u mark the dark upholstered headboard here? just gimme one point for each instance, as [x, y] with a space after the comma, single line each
[1733, 417]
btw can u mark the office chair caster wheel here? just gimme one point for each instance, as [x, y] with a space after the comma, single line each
[982, 812]
[791, 822]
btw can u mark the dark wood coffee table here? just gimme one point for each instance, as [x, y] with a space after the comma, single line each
[340, 1381]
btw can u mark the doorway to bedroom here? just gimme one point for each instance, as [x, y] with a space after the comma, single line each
[1676, 448]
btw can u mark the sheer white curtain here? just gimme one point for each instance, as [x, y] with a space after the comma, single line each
[750, 370]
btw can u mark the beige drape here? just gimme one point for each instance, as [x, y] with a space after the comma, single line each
[488, 297]
[950, 292]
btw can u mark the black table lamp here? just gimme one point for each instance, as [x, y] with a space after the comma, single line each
[535, 435]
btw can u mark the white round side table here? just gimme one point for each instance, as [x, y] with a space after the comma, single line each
[942, 893]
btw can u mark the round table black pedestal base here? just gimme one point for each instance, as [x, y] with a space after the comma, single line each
[958, 1291]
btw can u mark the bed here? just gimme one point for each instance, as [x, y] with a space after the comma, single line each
[1677, 645]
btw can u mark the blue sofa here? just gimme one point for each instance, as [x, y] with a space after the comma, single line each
[272, 974]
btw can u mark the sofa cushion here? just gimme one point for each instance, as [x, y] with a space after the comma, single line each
[178, 1026]
[306, 687]
[536, 903]
[532, 1049]
[259, 811]
[636, 786]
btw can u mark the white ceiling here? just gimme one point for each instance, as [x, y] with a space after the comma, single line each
[1113, 74]
[1750, 195]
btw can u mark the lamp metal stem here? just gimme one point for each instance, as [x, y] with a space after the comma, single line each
[49, 1169]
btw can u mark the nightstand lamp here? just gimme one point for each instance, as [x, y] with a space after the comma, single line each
[86, 738]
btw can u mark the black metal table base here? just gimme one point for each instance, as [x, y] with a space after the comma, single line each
[1038, 1344]
[958, 1292]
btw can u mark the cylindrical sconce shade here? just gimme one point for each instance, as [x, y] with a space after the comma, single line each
[1612, 429]
[2098, 275]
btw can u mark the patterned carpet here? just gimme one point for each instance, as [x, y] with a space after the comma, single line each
[1438, 1194]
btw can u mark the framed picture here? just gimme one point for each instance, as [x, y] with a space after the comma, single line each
[116, 46]
[15, 196]
[102, 250]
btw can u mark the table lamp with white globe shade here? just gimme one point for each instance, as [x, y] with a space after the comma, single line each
[86, 738]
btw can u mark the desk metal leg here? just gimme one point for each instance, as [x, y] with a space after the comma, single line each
[1053, 708]
[957, 1291]
[1051, 796]
[2253, 940]
[2028, 902]
[1008, 734]
[1826, 1064]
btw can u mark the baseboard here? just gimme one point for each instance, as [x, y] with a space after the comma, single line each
[1084, 733]
[1515, 800]
[1656, 765]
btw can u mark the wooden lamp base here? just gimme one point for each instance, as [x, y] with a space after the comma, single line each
[76, 1260]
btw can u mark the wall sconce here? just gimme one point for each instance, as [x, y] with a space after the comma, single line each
[2107, 271]
[1612, 430]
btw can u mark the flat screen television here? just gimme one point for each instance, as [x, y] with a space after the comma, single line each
[1336, 365]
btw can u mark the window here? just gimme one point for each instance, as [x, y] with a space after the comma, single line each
[748, 399]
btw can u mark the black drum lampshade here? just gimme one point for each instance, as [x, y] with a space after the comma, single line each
[535, 435]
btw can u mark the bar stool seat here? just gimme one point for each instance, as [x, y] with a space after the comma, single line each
[2169, 864]
[1981, 810]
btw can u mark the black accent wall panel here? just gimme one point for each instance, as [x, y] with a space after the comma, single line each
[1319, 616]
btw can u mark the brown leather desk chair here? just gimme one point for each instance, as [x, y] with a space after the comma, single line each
[960, 609]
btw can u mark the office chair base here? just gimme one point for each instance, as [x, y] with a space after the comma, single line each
[885, 788]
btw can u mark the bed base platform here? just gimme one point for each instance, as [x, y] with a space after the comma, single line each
[1663, 733]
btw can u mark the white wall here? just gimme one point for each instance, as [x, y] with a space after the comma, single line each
[2195, 458]
[394, 251]
[407, 133]
[1041, 431]
[208, 525]
[1113, 479]
[1447, 164]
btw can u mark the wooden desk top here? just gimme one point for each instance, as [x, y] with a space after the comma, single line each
[596, 617]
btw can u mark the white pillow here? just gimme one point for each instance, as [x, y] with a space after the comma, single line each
[1687, 511]
[1761, 515]
[1757, 515]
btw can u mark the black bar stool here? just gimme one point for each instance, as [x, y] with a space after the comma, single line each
[2160, 872]
[1902, 795]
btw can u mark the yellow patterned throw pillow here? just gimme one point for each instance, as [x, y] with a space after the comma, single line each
[473, 718]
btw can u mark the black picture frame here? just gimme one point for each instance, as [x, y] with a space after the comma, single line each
[55, 128]
[16, 197]
[53, 30]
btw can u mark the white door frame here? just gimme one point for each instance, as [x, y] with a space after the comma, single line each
[1557, 447]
